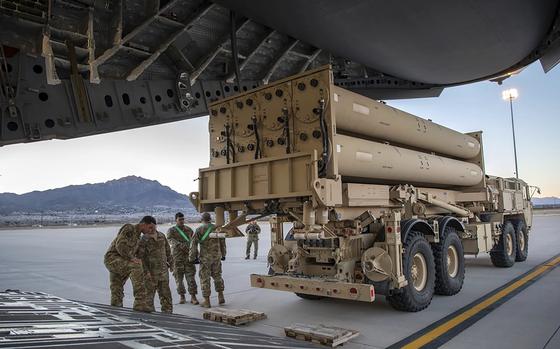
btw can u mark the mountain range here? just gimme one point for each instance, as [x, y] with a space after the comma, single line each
[127, 194]
[549, 200]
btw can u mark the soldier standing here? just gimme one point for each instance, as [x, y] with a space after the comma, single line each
[180, 237]
[212, 252]
[253, 230]
[156, 258]
[120, 259]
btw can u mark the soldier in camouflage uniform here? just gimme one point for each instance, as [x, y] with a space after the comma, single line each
[180, 237]
[120, 259]
[156, 258]
[253, 230]
[212, 252]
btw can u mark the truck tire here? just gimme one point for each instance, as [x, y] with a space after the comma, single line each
[522, 238]
[450, 263]
[504, 252]
[419, 270]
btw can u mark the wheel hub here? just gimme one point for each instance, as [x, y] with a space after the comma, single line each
[452, 261]
[521, 239]
[418, 272]
[509, 245]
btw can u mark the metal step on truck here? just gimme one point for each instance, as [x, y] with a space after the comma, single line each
[379, 201]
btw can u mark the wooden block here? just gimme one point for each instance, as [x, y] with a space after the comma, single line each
[233, 317]
[321, 334]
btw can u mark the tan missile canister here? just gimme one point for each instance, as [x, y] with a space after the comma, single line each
[364, 116]
[377, 162]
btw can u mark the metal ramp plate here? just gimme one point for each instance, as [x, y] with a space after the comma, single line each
[321, 334]
[233, 317]
[37, 320]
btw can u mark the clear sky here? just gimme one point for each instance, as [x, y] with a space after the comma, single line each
[172, 153]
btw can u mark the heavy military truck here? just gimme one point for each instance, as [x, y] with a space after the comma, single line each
[379, 201]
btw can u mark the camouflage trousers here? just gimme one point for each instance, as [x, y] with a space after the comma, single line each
[255, 242]
[210, 269]
[185, 270]
[120, 270]
[160, 285]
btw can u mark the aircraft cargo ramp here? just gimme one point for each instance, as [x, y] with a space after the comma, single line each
[39, 320]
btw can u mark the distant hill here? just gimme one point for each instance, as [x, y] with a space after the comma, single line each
[550, 200]
[127, 194]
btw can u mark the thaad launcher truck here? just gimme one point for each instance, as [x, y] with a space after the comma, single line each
[378, 201]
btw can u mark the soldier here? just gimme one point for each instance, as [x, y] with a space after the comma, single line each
[156, 258]
[180, 237]
[253, 230]
[120, 259]
[212, 252]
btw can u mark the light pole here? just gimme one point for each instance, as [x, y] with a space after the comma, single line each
[510, 95]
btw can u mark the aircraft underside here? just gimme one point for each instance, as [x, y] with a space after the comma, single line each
[71, 68]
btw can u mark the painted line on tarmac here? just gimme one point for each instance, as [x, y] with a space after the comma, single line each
[441, 331]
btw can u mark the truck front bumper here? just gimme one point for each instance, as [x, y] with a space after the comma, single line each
[315, 287]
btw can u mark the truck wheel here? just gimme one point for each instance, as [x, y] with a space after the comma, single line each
[308, 296]
[504, 252]
[419, 271]
[450, 263]
[522, 238]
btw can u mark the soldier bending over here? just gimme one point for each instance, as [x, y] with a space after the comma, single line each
[120, 259]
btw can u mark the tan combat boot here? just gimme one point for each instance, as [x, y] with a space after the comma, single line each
[193, 299]
[205, 303]
[143, 309]
[182, 300]
[221, 299]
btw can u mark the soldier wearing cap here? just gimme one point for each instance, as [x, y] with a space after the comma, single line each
[122, 263]
[180, 236]
[253, 230]
[212, 252]
[156, 257]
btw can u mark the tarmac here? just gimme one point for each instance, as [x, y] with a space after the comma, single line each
[69, 263]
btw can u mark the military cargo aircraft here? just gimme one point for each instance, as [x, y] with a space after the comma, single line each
[71, 68]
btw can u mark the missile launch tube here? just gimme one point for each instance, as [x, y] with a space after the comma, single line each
[359, 158]
[364, 116]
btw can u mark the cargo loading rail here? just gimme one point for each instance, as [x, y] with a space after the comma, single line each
[40, 320]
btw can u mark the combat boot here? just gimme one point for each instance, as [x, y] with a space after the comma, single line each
[143, 309]
[182, 300]
[205, 303]
[255, 257]
[221, 299]
[247, 257]
[193, 299]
